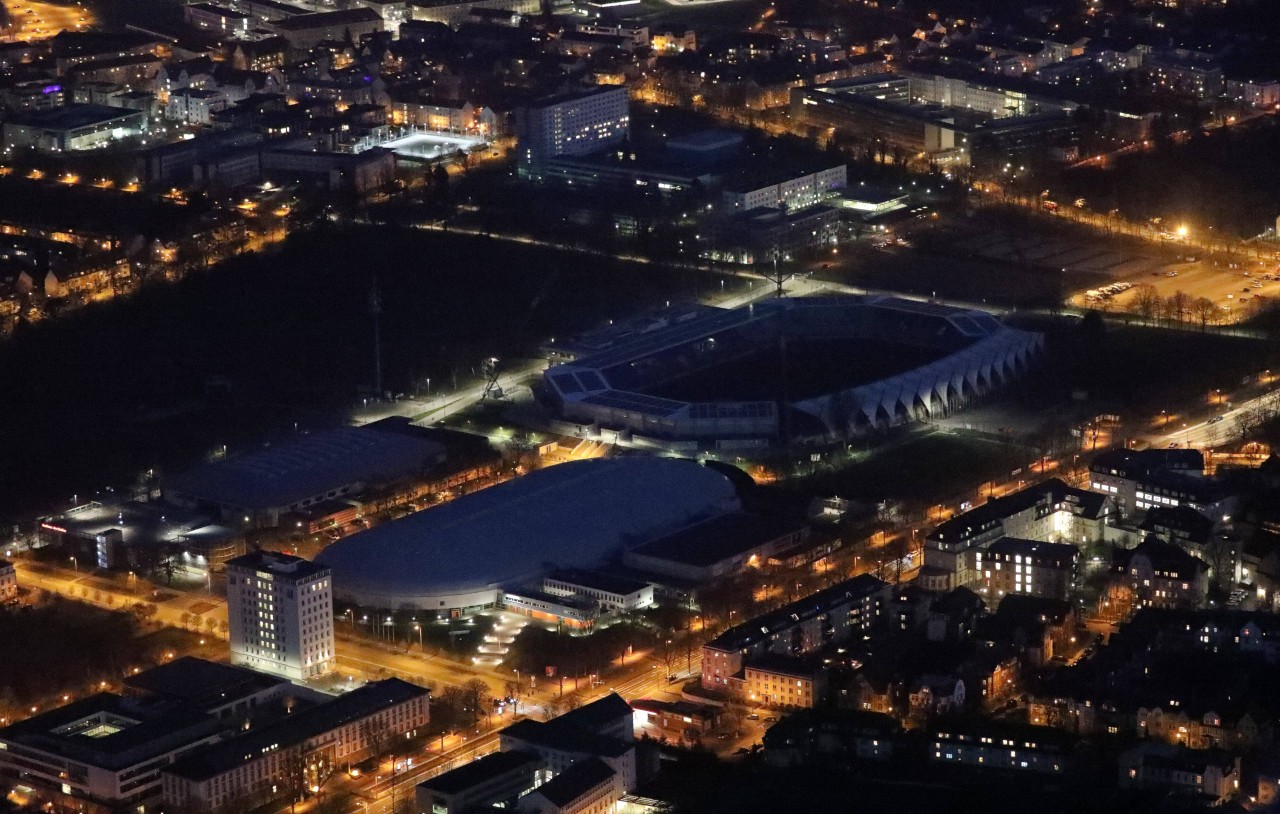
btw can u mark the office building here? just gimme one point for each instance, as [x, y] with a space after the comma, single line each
[571, 123]
[298, 749]
[1139, 480]
[612, 594]
[454, 13]
[102, 754]
[783, 189]
[281, 614]
[216, 18]
[8, 582]
[590, 786]
[306, 31]
[73, 128]
[498, 779]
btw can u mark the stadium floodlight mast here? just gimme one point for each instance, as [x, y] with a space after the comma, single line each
[490, 368]
[777, 276]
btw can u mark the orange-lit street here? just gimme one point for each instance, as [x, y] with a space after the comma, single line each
[32, 20]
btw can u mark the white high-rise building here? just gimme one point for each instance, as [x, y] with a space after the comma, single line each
[572, 123]
[280, 610]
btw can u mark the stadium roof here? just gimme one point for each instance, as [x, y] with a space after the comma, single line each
[719, 538]
[570, 515]
[308, 466]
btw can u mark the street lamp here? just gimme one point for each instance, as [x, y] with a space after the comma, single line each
[75, 564]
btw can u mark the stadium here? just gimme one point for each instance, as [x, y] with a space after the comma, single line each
[457, 558]
[836, 365]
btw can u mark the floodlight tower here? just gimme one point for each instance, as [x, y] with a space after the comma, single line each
[777, 276]
[490, 368]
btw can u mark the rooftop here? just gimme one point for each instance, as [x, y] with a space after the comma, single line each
[1062, 555]
[575, 781]
[718, 538]
[1132, 463]
[599, 714]
[222, 757]
[480, 771]
[778, 664]
[327, 19]
[558, 736]
[201, 684]
[571, 515]
[753, 630]
[1050, 492]
[308, 466]
[138, 523]
[607, 583]
[76, 116]
[278, 563]
[110, 731]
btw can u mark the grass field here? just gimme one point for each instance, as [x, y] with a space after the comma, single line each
[1139, 370]
[262, 342]
[925, 468]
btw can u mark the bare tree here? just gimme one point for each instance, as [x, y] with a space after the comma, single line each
[1205, 311]
[551, 708]
[376, 737]
[512, 689]
[477, 694]
[168, 563]
[1146, 301]
[522, 451]
[1220, 553]
[669, 655]
[293, 768]
[1177, 307]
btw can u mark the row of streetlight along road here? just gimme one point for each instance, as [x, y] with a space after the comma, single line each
[1214, 430]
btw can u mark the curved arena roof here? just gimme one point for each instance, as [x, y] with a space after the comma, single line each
[571, 515]
[611, 385]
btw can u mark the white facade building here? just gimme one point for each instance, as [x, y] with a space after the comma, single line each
[8, 582]
[793, 193]
[281, 615]
[575, 123]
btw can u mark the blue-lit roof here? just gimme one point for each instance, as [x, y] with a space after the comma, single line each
[571, 515]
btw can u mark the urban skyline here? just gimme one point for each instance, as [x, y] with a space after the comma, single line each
[639, 406]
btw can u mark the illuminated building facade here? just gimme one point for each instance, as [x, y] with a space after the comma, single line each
[574, 123]
[281, 615]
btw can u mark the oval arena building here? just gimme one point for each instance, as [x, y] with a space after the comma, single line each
[457, 558]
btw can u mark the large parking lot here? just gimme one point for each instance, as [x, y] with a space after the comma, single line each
[1233, 286]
